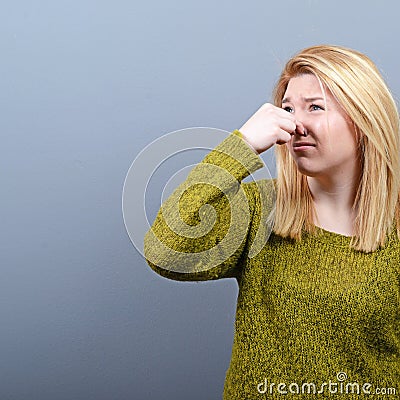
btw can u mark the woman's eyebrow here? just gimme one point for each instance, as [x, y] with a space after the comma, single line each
[305, 99]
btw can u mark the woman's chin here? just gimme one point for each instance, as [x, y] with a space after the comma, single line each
[307, 169]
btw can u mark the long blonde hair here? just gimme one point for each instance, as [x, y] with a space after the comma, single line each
[357, 85]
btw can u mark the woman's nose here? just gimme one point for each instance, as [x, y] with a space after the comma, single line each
[300, 129]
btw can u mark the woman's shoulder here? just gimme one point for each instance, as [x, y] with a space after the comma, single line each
[262, 189]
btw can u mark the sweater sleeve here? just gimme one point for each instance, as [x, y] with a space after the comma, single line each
[201, 231]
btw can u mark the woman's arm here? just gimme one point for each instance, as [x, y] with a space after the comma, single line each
[201, 230]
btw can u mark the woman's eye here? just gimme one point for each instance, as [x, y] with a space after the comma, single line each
[288, 109]
[315, 107]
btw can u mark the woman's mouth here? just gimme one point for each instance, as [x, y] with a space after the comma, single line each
[303, 146]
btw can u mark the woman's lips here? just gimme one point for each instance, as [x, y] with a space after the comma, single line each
[303, 146]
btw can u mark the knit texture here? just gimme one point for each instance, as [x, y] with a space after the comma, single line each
[314, 318]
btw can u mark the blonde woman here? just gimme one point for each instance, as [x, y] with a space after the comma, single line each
[318, 309]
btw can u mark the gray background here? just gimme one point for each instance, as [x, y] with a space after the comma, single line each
[84, 86]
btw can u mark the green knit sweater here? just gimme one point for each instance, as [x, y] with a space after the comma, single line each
[314, 318]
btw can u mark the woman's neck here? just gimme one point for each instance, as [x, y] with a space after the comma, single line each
[334, 202]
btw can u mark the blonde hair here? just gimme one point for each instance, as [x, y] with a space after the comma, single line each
[359, 88]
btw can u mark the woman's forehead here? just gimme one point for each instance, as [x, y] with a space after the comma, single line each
[304, 84]
[307, 87]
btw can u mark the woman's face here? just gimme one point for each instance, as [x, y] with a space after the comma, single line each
[330, 147]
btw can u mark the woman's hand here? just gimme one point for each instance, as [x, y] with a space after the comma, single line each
[267, 126]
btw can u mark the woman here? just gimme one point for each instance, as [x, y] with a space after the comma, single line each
[318, 309]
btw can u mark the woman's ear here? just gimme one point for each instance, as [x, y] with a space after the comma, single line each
[360, 138]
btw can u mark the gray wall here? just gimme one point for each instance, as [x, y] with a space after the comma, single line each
[84, 86]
